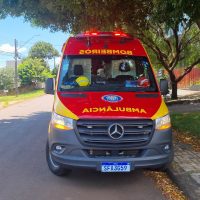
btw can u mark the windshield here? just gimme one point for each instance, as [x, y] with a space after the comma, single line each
[106, 73]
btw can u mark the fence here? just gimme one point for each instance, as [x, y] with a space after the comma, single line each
[190, 79]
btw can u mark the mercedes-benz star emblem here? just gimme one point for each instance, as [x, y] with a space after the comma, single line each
[116, 131]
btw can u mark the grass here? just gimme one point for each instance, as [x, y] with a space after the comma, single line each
[6, 100]
[188, 123]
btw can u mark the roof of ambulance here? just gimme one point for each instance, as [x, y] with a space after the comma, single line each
[103, 43]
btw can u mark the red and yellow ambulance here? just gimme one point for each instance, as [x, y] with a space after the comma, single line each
[108, 112]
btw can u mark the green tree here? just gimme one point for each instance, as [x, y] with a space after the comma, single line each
[172, 46]
[43, 50]
[54, 71]
[32, 70]
[173, 11]
[158, 23]
[79, 15]
[6, 78]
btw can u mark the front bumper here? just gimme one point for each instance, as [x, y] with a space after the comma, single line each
[75, 153]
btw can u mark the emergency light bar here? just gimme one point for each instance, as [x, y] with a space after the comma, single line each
[104, 34]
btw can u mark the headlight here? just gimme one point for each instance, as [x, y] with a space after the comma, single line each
[163, 123]
[61, 122]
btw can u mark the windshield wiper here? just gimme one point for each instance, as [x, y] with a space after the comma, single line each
[109, 89]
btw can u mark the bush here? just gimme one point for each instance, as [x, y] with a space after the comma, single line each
[32, 70]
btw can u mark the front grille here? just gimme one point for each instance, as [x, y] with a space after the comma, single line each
[95, 132]
[113, 153]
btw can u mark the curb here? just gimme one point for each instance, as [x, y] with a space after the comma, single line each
[182, 101]
[17, 102]
[183, 181]
[184, 171]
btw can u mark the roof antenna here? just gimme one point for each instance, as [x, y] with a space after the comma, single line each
[88, 42]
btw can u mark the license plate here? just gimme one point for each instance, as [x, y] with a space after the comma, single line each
[115, 167]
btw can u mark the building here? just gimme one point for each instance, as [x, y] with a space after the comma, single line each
[11, 63]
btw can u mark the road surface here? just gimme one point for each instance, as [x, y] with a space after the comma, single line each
[24, 174]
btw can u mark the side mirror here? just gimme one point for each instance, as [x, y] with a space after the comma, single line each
[164, 86]
[49, 86]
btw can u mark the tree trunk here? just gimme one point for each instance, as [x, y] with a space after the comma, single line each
[173, 84]
[198, 23]
[174, 90]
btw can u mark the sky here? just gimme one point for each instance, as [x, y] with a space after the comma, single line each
[26, 36]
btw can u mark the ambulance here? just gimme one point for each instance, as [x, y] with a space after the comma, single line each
[108, 112]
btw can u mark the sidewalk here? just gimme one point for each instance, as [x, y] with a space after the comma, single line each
[187, 93]
[185, 169]
[185, 96]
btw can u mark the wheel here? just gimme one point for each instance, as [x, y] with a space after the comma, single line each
[163, 168]
[53, 166]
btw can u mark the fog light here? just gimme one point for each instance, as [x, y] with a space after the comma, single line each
[58, 149]
[166, 148]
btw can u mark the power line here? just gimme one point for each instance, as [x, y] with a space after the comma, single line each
[52, 44]
[6, 55]
[16, 73]
[27, 41]
[2, 51]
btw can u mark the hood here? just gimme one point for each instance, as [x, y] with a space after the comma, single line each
[108, 104]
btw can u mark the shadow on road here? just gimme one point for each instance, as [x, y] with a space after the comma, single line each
[37, 116]
[87, 178]
[24, 173]
[27, 136]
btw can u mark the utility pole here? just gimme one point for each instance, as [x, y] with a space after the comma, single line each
[54, 62]
[16, 74]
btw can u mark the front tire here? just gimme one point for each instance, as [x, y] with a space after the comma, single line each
[55, 168]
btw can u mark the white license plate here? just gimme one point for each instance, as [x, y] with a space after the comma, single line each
[115, 167]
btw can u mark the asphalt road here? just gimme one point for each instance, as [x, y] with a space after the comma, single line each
[24, 174]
